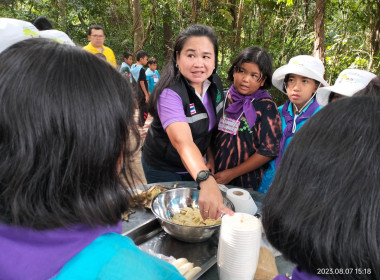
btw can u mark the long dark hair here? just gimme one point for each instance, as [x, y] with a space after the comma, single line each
[170, 73]
[65, 118]
[322, 210]
[258, 56]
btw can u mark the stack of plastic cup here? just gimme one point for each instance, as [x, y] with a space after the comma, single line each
[239, 247]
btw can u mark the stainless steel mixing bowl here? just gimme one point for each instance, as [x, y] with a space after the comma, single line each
[166, 204]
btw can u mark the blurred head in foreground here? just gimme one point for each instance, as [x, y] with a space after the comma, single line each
[65, 123]
[323, 211]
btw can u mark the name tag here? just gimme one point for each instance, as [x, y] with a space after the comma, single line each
[228, 125]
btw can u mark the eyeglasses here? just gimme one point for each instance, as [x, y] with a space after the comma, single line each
[97, 36]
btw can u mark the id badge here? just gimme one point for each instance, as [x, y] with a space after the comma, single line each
[228, 125]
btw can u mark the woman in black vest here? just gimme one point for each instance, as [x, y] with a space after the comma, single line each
[186, 104]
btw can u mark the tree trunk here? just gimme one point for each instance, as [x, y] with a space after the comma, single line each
[319, 27]
[168, 30]
[375, 35]
[115, 18]
[233, 12]
[138, 26]
[194, 11]
[306, 16]
[239, 20]
[260, 29]
[62, 10]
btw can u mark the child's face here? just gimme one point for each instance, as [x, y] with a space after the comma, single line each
[144, 60]
[247, 79]
[128, 60]
[300, 89]
[153, 66]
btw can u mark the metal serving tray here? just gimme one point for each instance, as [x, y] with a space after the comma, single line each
[149, 235]
[145, 230]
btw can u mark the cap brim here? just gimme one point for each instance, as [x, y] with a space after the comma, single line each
[323, 96]
[323, 93]
[279, 75]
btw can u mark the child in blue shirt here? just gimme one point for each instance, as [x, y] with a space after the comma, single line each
[299, 80]
[152, 75]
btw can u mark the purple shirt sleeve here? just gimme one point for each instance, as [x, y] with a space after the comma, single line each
[170, 108]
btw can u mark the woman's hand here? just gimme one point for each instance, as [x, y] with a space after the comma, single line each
[211, 200]
[224, 177]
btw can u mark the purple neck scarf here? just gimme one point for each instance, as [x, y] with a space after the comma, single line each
[243, 103]
[31, 254]
[299, 274]
[289, 124]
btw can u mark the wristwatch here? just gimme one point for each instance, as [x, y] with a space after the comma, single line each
[203, 176]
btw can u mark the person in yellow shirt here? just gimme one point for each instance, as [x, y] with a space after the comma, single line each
[96, 36]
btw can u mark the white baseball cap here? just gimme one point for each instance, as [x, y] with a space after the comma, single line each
[13, 31]
[303, 65]
[348, 83]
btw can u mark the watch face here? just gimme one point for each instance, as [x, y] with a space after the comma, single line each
[202, 175]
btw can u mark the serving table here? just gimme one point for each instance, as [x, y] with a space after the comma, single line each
[144, 229]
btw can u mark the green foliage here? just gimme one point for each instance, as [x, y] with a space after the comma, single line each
[285, 28]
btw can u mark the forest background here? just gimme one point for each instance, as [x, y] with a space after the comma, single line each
[343, 33]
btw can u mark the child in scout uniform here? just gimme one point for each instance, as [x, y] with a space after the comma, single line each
[250, 130]
[299, 79]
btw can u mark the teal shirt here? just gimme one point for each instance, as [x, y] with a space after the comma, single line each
[112, 256]
[271, 170]
[152, 77]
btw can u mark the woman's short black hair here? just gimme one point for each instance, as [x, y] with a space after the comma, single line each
[65, 119]
[254, 55]
[322, 210]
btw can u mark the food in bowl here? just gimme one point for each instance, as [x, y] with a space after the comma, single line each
[189, 216]
[166, 204]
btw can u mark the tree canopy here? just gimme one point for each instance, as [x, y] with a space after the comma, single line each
[285, 28]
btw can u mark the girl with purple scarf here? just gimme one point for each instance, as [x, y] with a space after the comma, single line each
[299, 80]
[249, 131]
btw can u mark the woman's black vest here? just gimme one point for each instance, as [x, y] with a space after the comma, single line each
[158, 152]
